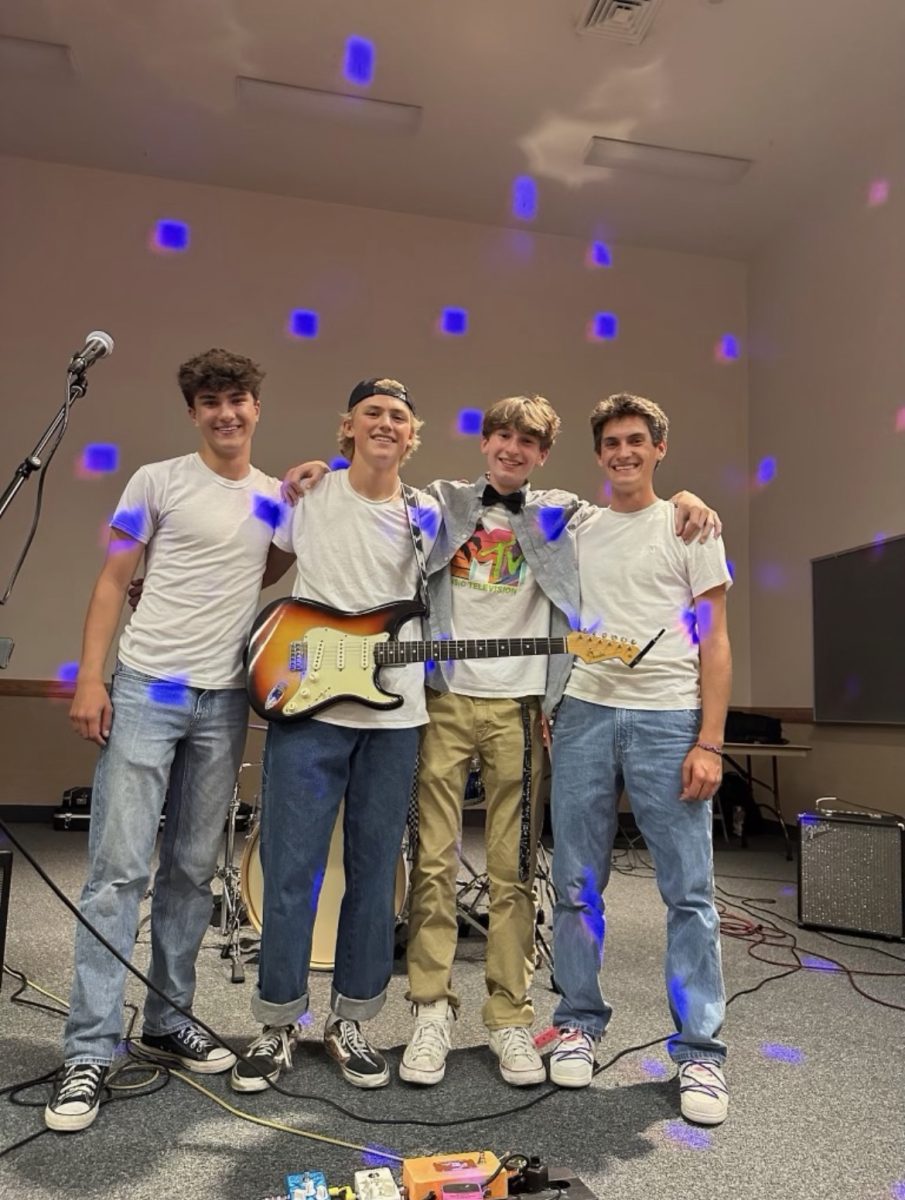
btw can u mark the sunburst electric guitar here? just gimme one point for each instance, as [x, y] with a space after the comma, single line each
[303, 657]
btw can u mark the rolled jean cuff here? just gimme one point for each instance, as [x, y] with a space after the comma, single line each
[88, 1060]
[689, 1054]
[594, 1032]
[356, 1010]
[277, 1014]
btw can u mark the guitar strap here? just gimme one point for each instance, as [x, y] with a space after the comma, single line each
[410, 498]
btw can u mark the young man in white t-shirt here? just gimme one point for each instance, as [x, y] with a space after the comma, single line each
[354, 542]
[173, 727]
[657, 731]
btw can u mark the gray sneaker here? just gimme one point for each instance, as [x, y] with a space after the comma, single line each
[520, 1063]
[424, 1060]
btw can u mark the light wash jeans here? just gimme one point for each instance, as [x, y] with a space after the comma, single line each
[596, 751]
[308, 768]
[162, 733]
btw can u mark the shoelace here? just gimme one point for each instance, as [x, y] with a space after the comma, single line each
[354, 1040]
[702, 1077]
[518, 1043]
[575, 1044]
[272, 1039]
[192, 1038]
[81, 1080]
[429, 1039]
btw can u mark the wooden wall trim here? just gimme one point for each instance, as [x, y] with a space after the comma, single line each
[46, 689]
[55, 689]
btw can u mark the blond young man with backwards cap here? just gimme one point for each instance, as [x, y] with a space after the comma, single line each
[352, 541]
[503, 566]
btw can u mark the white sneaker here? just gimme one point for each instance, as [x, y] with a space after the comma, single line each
[520, 1063]
[424, 1060]
[572, 1062]
[703, 1093]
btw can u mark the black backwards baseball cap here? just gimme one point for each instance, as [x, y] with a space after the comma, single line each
[379, 387]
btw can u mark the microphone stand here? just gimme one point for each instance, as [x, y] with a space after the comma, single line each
[78, 386]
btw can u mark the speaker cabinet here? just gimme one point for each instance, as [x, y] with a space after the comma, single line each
[850, 874]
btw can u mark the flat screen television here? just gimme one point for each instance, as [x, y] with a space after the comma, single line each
[859, 634]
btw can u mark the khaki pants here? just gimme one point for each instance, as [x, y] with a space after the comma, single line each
[495, 729]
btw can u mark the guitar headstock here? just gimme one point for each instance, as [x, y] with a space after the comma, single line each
[595, 647]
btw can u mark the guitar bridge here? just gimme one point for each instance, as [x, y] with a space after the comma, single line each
[298, 656]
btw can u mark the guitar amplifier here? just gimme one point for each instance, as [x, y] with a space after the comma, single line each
[850, 874]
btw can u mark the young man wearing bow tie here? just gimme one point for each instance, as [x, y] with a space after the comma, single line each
[503, 566]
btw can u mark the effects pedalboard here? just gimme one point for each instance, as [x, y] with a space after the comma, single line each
[468, 1175]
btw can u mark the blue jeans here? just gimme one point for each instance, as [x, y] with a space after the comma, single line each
[161, 734]
[308, 769]
[596, 752]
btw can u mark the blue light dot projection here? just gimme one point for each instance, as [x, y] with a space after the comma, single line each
[171, 237]
[813, 963]
[169, 693]
[307, 1018]
[270, 511]
[67, 672]
[470, 422]
[316, 884]
[703, 617]
[360, 61]
[339, 463]
[897, 1191]
[782, 1053]
[379, 1156]
[600, 255]
[688, 1135]
[653, 1068]
[728, 349]
[130, 521]
[454, 322]
[605, 326]
[524, 198]
[592, 909]
[100, 458]
[690, 625]
[426, 519]
[730, 567]
[766, 470]
[303, 323]
[788, 890]
[552, 522]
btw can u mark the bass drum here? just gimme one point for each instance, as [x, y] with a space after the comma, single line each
[323, 939]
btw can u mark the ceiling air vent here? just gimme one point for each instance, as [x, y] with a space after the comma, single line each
[625, 20]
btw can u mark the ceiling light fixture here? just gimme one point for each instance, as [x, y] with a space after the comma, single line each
[263, 95]
[662, 160]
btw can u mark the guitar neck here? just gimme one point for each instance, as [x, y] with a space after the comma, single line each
[446, 649]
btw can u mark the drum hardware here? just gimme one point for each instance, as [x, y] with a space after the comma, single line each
[232, 909]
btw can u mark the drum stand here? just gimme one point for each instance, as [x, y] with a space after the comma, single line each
[232, 910]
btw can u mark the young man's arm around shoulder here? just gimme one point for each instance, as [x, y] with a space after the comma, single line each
[91, 711]
[702, 770]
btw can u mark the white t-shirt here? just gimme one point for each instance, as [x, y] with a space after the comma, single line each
[356, 554]
[637, 578]
[207, 540]
[495, 595]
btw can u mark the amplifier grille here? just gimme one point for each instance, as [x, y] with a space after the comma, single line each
[851, 875]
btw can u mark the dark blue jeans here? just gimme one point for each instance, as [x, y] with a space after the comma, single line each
[308, 769]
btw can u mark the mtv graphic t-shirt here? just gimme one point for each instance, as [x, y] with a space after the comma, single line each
[495, 595]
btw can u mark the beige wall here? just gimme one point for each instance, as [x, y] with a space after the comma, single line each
[827, 309]
[75, 259]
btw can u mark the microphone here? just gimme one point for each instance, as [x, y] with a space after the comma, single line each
[97, 345]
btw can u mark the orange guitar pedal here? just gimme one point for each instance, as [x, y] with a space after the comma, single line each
[443, 1174]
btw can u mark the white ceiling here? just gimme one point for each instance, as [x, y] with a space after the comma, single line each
[507, 88]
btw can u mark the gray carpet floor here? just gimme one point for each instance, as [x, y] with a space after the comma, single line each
[816, 1070]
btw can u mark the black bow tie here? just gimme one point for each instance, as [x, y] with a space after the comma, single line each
[514, 501]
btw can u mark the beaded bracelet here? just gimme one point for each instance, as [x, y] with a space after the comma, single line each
[718, 750]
